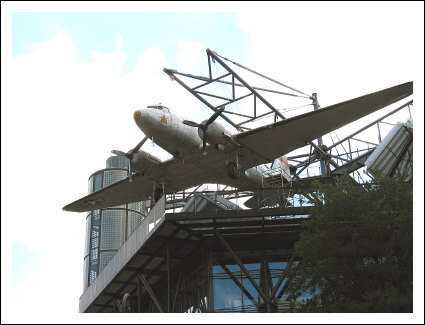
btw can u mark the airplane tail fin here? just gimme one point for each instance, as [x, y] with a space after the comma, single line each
[283, 164]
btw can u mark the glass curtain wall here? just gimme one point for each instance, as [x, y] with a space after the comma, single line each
[108, 229]
[229, 296]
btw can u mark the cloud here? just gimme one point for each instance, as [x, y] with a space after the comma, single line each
[338, 50]
[191, 57]
[63, 117]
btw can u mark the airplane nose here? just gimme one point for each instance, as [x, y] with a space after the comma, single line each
[137, 115]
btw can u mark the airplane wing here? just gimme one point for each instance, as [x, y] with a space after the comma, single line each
[174, 173]
[121, 192]
[274, 140]
[260, 145]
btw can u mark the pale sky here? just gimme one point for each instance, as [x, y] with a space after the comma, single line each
[73, 74]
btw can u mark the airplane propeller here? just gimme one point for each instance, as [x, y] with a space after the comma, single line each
[202, 127]
[130, 155]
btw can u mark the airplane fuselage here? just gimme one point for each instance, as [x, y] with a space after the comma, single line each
[166, 128]
[203, 152]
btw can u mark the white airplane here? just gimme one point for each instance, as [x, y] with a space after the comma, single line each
[207, 153]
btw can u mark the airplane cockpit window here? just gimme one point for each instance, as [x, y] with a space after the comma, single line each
[155, 107]
[160, 107]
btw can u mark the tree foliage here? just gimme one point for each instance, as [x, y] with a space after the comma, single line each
[356, 249]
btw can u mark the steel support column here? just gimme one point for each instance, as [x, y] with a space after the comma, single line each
[210, 290]
[168, 278]
[323, 168]
[139, 293]
[264, 281]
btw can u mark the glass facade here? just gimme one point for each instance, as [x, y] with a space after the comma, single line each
[234, 292]
[210, 280]
[107, 229]
[404, 169]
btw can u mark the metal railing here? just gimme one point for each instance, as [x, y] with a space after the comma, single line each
[130, 247]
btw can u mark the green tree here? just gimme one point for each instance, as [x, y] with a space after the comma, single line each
[356, 249]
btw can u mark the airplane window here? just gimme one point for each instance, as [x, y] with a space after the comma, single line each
[155, 106]
[160, 107]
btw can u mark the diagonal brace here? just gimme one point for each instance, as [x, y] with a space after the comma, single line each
[240, 286]
[283, 276]
[243, 268]
[151, 293]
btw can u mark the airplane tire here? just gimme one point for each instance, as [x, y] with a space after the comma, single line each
[232, 170]
[157, 194]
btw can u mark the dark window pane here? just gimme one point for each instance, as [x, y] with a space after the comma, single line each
[97, 182]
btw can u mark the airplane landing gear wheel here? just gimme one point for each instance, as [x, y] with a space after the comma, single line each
[232, 170]
[157, 194]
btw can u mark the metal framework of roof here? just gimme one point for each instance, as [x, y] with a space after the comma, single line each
[146, 265]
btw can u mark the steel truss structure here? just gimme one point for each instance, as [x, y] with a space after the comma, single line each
[186, 261]
[327, 158]
[227, 260]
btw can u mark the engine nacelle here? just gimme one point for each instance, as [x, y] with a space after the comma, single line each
[213, 134]
[143, 160]
[254, 175]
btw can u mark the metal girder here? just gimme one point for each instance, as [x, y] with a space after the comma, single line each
[136, 269]
[141, 267]
[352, 165]
[209, 81]
[168, 278]
[170, 73]
[151, 293]
[268, 78]
[159, 255]
[184, 241]
[205, 81]
[283, 276]
[117, 305]
[244, 223]
[371, 124]
[178, 284]
[186, 229]
[243, 268]
[139, 295]
[240, 286]
[257, 230]
[171, 253]
[264, 278]
[240, 214]
[282, 291]
[214, 55]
